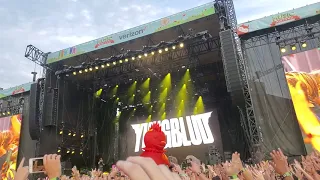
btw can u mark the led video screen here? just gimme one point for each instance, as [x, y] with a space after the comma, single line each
[302, 72]
[186, 135]
[10, 127]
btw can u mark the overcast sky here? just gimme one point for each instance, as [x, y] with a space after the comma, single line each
[52, 25]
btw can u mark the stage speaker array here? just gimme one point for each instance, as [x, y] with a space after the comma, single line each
[34, 126]
[50, 118]
[230, 66]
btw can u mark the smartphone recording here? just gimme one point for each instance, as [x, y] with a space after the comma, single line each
[36, 165]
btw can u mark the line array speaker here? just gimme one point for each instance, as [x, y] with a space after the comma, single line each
[34, 126]
[230, 66]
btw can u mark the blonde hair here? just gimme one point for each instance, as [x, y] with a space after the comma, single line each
[173, 159]
[194, 159]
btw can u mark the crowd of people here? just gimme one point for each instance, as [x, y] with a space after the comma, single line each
[143, 168]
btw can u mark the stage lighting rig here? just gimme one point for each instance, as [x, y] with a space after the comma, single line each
[303, 44]
[140, 54]
[293, 47]
[59, 150]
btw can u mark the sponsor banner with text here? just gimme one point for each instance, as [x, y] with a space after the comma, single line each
[15, 90]
[279, 19]
[140, 31]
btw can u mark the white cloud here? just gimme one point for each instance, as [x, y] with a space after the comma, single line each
[86, 14]
[73, 40]
[124, 8]
[69, 16]
[172, 10]
[60, 24]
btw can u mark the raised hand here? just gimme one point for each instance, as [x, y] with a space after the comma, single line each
[195, 167]
[22, 171]
[257, 174]
[230, 169]
[297, 172]
[279, 163]
[236, 161]
[52, 165]
[140, 168]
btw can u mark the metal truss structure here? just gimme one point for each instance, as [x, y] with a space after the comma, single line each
[248, 120]
[303, 32]
[40, 111]
[37, 56]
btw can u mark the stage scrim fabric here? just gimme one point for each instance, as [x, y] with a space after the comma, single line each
[272, 103]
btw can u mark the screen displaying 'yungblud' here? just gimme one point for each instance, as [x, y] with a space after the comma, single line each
[302, 72]
[10, 127]
[185, 135]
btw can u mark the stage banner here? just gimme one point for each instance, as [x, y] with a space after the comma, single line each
[134, 33]
[15, 90]
[279, 19]
[302, 72]
[188, 135]
[10, 127]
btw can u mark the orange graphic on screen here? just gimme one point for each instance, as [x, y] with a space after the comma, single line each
[9, 142]
[304, 90]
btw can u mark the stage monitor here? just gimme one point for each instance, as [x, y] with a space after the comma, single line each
[10, 127]
[187, 135]
[302, 72]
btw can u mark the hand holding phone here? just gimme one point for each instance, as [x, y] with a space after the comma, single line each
[36, 165]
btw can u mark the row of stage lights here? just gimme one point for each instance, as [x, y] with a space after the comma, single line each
[69, 151]
[181, 45]
[293, 47]
[71, 134]
[10, 111]
[5, 113]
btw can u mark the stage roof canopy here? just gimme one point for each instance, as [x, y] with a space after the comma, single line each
[279, 19]
[165, 29]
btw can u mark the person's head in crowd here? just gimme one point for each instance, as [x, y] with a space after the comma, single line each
[193, 159]
[173, 160]
[142, 168]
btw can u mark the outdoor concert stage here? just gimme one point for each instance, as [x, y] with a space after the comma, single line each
[278, 49]
[100, 97]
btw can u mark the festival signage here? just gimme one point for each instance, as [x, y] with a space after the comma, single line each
[137, 32]
[15, 90]
[183, 131]
[279, 19]
[10, 128]
[302, 72]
